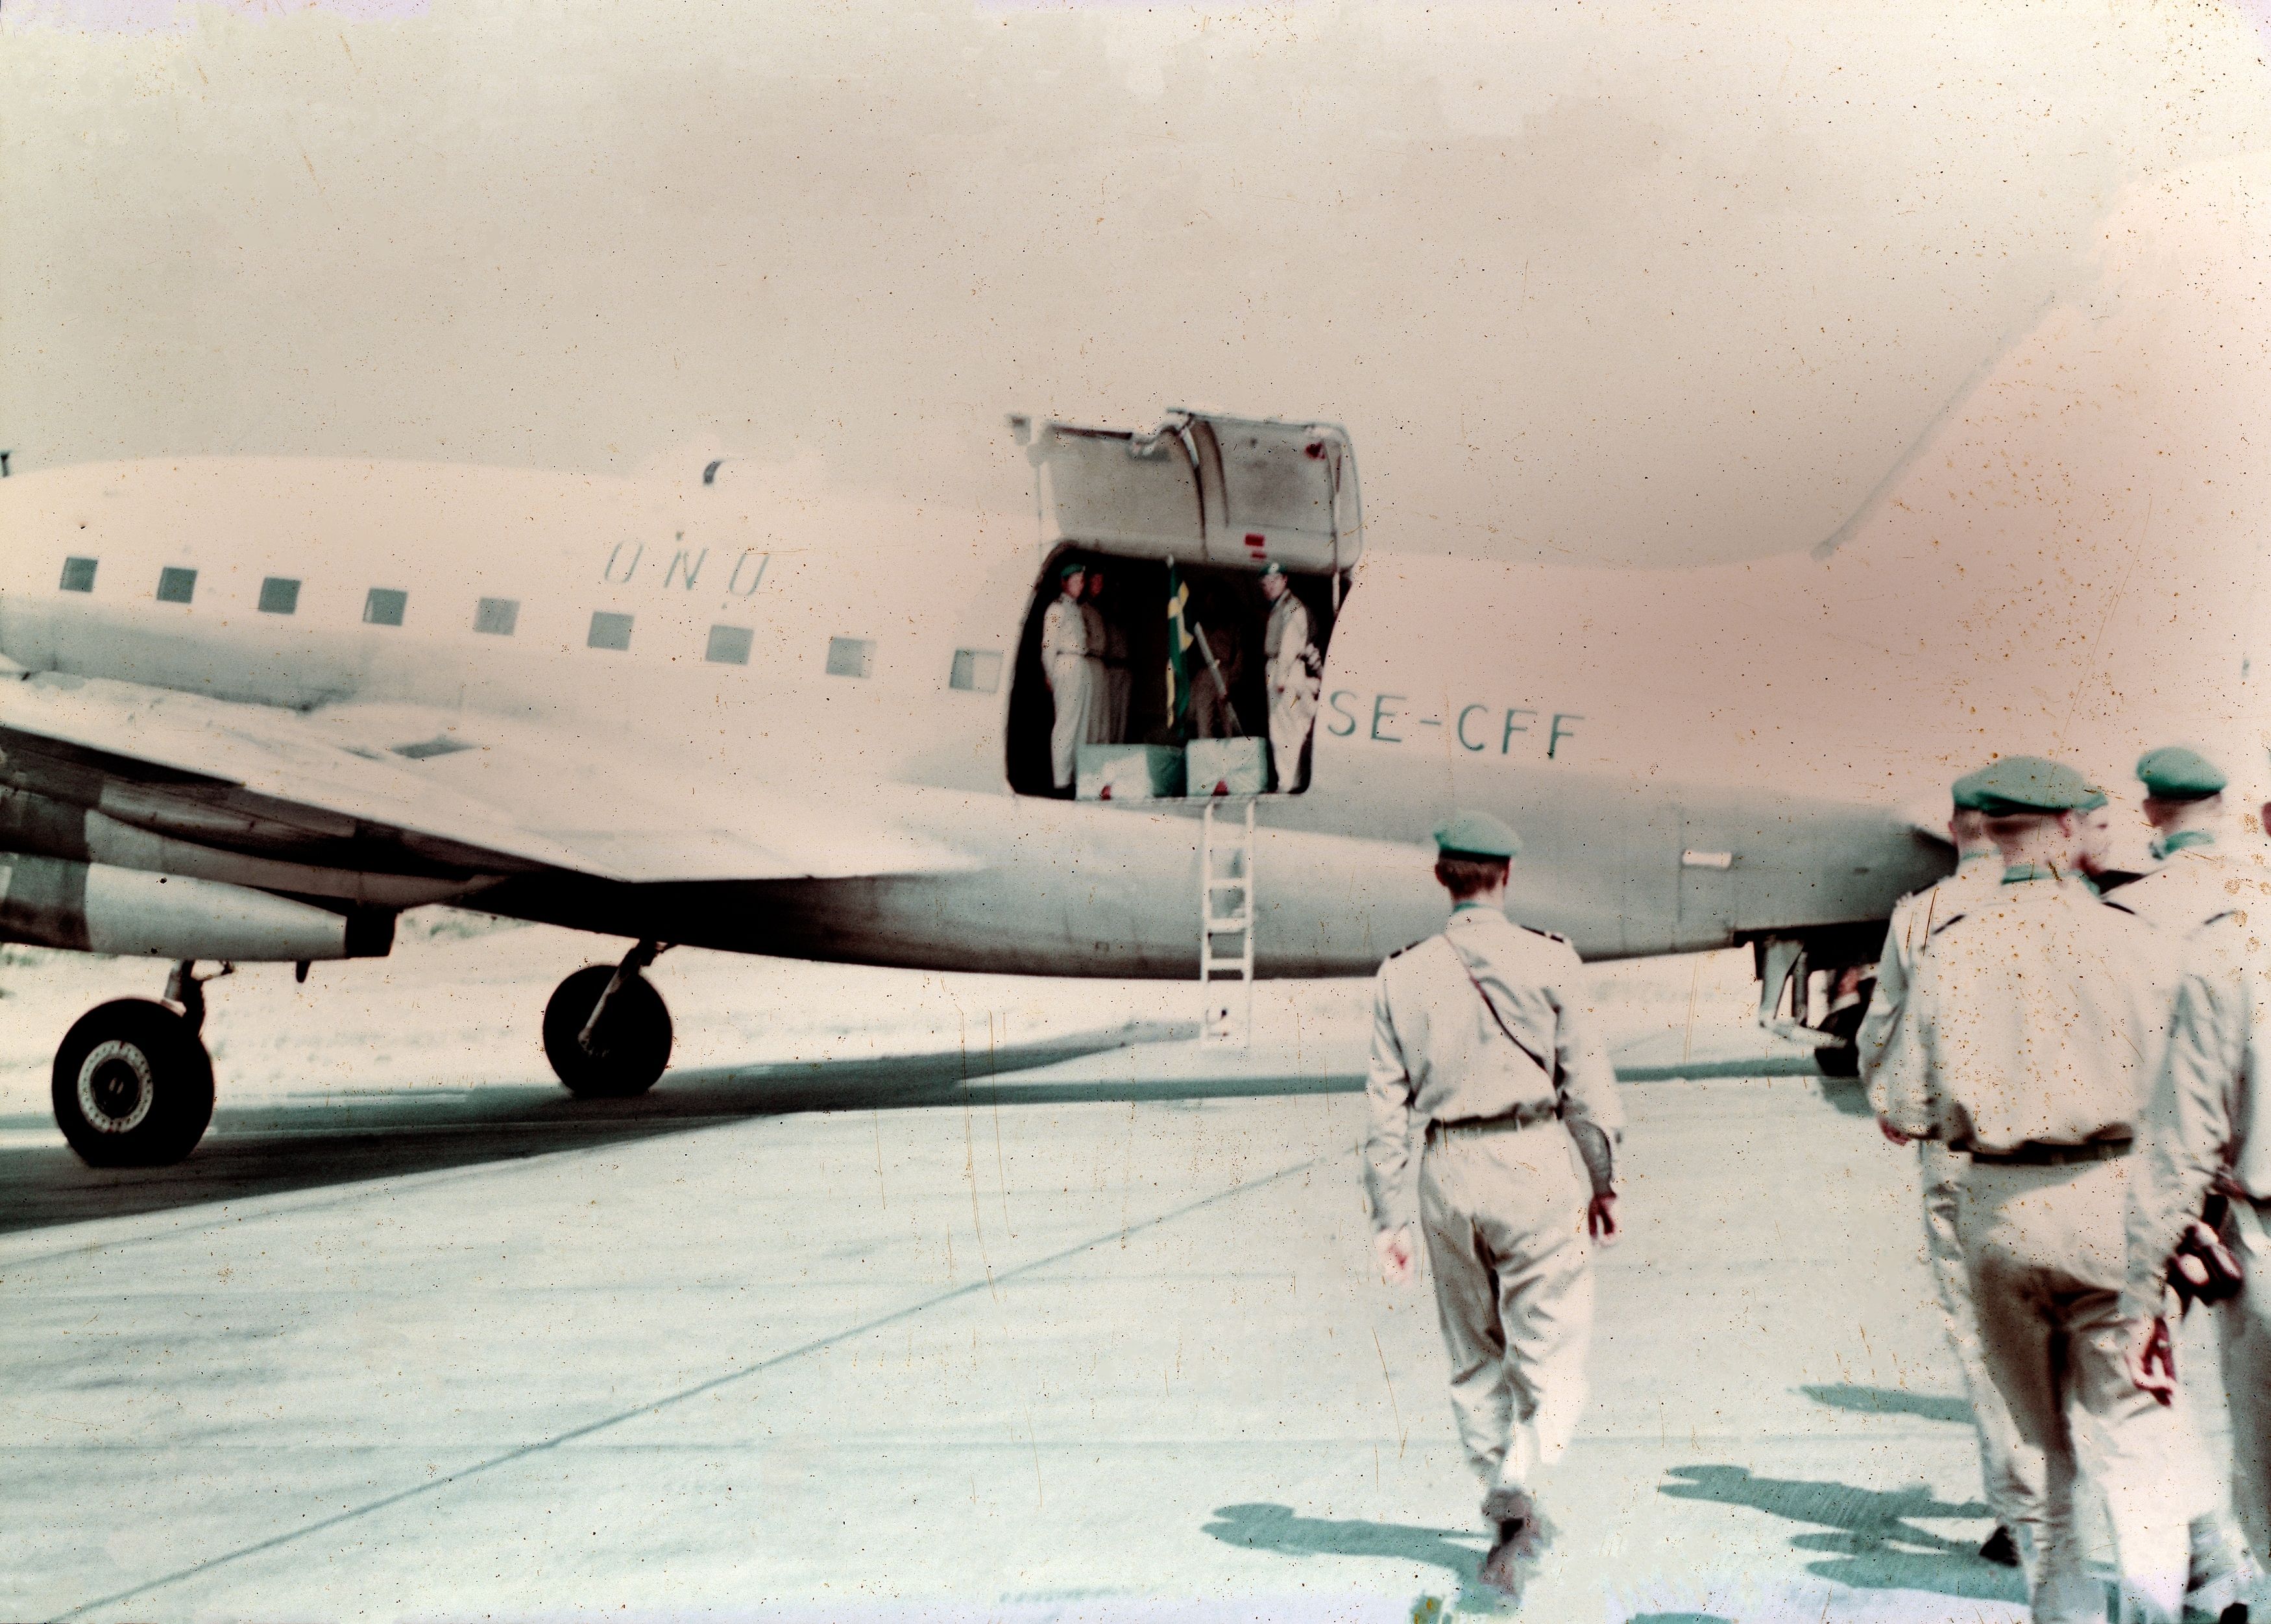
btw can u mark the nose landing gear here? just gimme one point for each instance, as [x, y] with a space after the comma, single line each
[606, 1031]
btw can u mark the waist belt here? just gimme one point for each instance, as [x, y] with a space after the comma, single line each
[2033, 1154]
[1522, 1117]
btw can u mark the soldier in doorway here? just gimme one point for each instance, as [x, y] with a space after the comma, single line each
[1482, 1041]
[1109, 641]
[2011, 1473]
[1294, 668]
[1071, 673]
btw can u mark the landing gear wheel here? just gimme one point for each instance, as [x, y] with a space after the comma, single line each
[631, 1046]
[133, 1085]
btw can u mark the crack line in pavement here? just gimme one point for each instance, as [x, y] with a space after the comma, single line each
[815, 1345]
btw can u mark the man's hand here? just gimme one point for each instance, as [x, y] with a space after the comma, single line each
[1601, 1220]
[2152, 1359]
[1893, 1134]
[1394, 1247]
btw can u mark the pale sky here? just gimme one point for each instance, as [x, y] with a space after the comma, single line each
[1609, 282]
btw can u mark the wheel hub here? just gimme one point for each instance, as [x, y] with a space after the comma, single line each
[115, 1087]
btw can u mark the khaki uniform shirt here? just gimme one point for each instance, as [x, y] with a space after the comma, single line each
[2210, 1112]
[1917, 916]
[1438, 1054]
[1064, 631]
[2041, 1018]
[1284, 643]
[2197, 884]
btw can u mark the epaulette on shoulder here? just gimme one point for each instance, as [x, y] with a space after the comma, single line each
[1550, 935]
[1951, 919]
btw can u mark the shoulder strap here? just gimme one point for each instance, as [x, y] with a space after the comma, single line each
[1552, 1076]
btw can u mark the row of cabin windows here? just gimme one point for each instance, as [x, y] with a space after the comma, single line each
[975, 670]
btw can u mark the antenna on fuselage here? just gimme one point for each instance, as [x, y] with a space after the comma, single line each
[5, 456]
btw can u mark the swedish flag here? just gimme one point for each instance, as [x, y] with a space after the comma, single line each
[1179, 651]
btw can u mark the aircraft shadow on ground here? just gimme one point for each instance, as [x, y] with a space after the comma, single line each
[271, 1149]
[1873, 1539]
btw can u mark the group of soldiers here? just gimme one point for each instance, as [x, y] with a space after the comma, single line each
[2075, 1057]
[1084, 658]
[2082, 1059]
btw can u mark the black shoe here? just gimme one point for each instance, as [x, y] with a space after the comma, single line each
[2003, 1550]
[1520, 1525]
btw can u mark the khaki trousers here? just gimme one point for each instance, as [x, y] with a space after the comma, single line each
[2245, 1325]
[1075, 691]
[2011, 1473]
[2045, 1251]
[1503, 1212]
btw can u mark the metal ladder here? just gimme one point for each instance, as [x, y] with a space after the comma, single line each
[1226, 871]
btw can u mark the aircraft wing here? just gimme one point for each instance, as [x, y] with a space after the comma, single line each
[405, 789]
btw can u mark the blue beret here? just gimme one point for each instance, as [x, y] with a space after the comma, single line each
[1273, 568]
[1476, 834]
[2019, 784]
[1071, 566]
[2174, 773]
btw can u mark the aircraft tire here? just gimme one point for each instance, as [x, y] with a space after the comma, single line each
[133, 1086]
[632, 1048]
[1838, 1060]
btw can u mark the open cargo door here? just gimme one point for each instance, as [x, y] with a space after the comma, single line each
[1235, 492]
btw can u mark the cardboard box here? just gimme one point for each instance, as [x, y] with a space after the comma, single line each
[1128, 772]
[1226, 767]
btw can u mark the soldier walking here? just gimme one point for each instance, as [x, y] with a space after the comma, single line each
[2010, 1473]
[1482, 1041]
[2207, 1142]
[2183, 801]
[2030, 1037]
[2189, 897]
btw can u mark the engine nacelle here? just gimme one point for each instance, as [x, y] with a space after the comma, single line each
[96, 908]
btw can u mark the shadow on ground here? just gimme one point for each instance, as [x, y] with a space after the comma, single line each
[1267, 1526]
[271, 1148]
[1872, 1537]
[1890, 1401]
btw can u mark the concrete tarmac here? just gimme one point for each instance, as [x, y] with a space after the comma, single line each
[1084, 1331]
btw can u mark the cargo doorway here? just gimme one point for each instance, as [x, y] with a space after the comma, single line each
[1218, 540]
[1146, 732]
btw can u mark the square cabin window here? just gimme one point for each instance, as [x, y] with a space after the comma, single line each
[79, 575]
[383, 607]
[729, 646]
[976, 671]
[850, 657]
[176, 585]
[279, 595]
[609, 630]
[496, 616]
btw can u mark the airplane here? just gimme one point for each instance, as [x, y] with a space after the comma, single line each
[253, 708]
